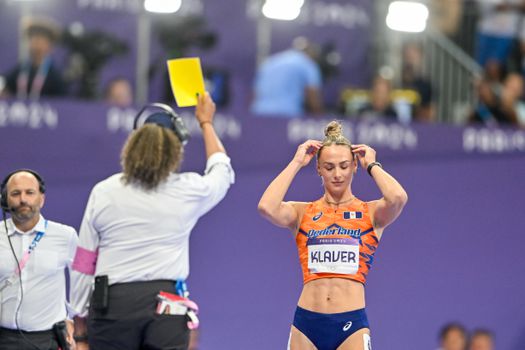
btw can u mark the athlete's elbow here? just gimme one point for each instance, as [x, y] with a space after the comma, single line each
[267, 209]
[263, 208]
[397, 199]
[401, 198]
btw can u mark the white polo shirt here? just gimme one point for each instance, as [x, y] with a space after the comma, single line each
[43, 278]
[144, 235]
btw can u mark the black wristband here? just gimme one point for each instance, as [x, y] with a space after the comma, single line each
[371, 165]
[81, 338]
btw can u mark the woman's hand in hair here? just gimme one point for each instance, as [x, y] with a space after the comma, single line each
[365, 154]
[306, 151]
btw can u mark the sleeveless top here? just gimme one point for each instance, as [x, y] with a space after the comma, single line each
[336, 242]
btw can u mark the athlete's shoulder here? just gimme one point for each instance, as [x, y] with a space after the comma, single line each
[302, 207]
[299, 204]
[369, 205]
[307, 209]
[317, 204]
[360, 204]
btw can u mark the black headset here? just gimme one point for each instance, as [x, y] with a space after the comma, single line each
[3, 186]
[168, 118]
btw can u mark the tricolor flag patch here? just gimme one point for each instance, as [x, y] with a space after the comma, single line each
[348, 215]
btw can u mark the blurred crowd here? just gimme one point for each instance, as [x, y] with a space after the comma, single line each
[499, 99]
[38, 75]
[409, 98]
[290, 83]
[454, 336]
[501, 53]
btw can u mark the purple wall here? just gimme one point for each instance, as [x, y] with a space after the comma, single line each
[454, 254]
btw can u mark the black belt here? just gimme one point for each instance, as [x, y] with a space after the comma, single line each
[16, 331]
[138, 284]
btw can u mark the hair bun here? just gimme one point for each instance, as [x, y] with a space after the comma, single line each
[333, 129]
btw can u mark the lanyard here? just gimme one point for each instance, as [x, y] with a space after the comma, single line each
[37, 83]
[25, 257]
[181, 288]
[29, 250]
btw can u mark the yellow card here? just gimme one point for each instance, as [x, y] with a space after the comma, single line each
[186, 80]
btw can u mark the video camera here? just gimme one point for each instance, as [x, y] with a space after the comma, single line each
[89, 51]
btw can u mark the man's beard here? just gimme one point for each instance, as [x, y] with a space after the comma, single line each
[24, 216]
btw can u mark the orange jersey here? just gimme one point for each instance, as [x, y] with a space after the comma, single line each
[336, 242]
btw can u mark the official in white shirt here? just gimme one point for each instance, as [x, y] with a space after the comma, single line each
[135, 232]
[33, 301]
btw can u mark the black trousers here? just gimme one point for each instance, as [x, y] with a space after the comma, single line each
[11, 339]
[130, 321]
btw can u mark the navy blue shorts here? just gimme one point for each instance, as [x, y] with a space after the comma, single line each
[328, 331]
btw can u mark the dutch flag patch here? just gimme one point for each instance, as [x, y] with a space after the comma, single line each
[349, 215]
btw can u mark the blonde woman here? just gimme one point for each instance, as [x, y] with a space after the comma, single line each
[336, 236]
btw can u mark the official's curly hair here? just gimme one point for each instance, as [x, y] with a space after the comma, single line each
[334, 136]
[149, 155]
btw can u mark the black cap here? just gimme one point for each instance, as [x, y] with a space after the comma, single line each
[161, 119]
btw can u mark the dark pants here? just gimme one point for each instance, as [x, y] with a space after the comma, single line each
[11, 339]
[130, 321]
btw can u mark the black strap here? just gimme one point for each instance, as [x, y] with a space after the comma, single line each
[371, 165]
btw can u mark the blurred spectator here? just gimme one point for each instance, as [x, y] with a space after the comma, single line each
[119, 92]
[453, 336]
[519, 52]
[412, 79]
[380, 104]
[37, 76]
[497, 29]
[446, 15]
[288, 83]
[481, 339]
[2, 85]
[488, 90]
[512, 102]
[499, 102]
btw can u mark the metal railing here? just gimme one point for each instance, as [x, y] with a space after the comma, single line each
[452, 73]
[447, 62]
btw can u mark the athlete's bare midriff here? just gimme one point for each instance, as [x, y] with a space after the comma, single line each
[332, 295]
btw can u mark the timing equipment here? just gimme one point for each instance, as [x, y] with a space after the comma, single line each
[167, 118]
